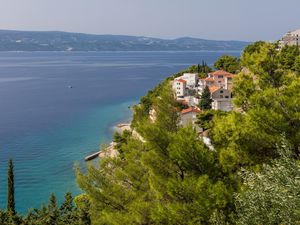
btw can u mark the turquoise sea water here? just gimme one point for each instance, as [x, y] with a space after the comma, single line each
[45, 127]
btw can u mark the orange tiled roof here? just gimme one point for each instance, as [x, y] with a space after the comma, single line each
[181, 80]
[212, 89]
[222, 72]
[191, 109]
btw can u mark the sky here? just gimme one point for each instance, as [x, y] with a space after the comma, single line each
[247, 20]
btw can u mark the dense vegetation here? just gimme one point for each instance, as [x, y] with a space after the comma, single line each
[171, 177]
[228, 63]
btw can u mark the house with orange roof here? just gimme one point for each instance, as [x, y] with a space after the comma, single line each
[219, 78]
[189, 116]
[219, 92]
[222, 78]
[221, 98]
[185, 84]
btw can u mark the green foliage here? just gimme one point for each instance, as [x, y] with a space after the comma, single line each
[121, 139]
[243, 88]
[53, 212]
[10, 189]
[141, 111]
[205, 119]
[67, 209]
[270, 196]
[287, 57]
[180, 105]
[202, 68]
[297, 65]
[82, 211]
[228, 63]
[205, 102]
[267, 94]
[253, 48]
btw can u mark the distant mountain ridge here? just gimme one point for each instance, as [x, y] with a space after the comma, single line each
[63, 41]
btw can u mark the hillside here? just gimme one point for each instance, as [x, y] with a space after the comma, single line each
[63, 41]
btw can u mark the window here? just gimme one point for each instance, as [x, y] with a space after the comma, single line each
[221, 91]
[226, 96]
[221, 96]
[220, 76]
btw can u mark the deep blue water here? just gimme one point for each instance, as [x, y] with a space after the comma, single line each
[45, 127]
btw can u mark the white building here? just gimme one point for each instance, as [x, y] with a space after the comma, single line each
[290, 38]
[179, 86]
[190, 78]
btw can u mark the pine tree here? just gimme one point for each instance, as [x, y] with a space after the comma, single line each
[205, 102]
[82, 203]
[10, 188]
[67, 209]
[53, 210]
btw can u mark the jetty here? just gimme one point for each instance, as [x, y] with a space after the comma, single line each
[92, 156]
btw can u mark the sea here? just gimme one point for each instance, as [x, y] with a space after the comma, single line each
[58, 107]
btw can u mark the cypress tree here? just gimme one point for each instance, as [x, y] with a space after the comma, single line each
[10, 188]
[205, 102]
[198, 68]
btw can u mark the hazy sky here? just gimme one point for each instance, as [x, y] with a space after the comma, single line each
[211, 19]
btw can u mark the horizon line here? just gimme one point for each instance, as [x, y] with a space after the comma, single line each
[126, 35]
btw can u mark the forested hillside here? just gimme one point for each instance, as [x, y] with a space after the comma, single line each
[171, 177]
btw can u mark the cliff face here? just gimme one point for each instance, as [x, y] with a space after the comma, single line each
[62, 41]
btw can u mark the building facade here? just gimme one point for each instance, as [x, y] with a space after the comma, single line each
[290, 38]
[221, 98]
[179, 86]
[218, 78]
[191, 79]
[189, 116]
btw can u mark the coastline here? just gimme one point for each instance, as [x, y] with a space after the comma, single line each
[110, 151]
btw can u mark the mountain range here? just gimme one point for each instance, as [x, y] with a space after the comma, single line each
[63, 41]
